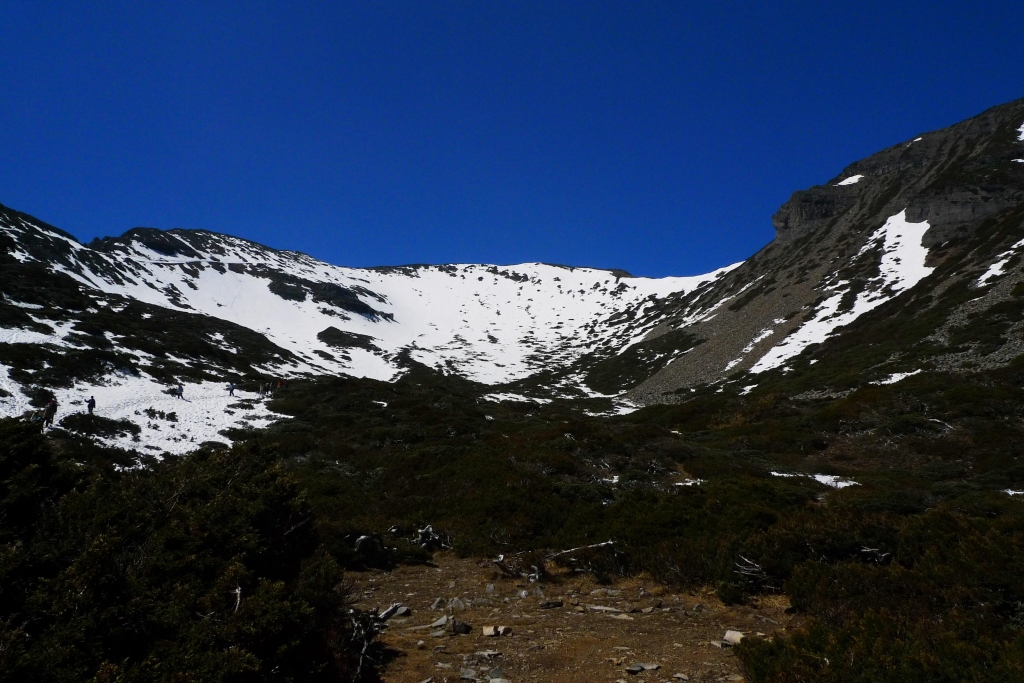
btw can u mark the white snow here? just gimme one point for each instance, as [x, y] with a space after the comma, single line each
[690, 482]
[201, 415]
[492, 324]
[896, 377]
[1013, 493]
[852, 180]
[996, 269]
[917, 139]
[1020, 161]
[826, 479]
[1021, 131]
[902, 266]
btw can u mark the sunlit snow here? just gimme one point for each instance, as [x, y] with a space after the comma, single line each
[901, 267]
[852, 180]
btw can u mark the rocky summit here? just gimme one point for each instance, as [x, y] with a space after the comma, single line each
[908, 261]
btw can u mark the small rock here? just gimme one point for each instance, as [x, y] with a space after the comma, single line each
[403, 611]
[488, 654]
[428, 680]
[651, 666]
[719, 644]
[623, 617]
[443, 665]
[468, 675]
[534, 648]
[524, 594]
[681, 677]
[438, 604]
[551, 604]
[735, 677]
[438, 634]
[490, 631]
[421, 645]
[490, 589]
[496, 673]
[456, 604]
[440, 622]
[699, 607]
[634, 669]
[602, 608]
[647, 610]
[733, 637]
[599, 591]
[461, 628]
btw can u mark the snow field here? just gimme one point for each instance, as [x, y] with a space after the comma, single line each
[205, 410]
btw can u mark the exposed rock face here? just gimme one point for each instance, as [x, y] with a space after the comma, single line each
[963, 181]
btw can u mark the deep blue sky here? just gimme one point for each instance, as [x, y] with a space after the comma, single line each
[658, 137]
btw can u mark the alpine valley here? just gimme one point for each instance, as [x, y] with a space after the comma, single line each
[817, 451]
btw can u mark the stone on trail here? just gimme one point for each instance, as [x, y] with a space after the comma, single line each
[461, 628]
[440, 622]
[494, 631]
[457, 604]
[496, 673]
[733, 637]
[551, 604]
[438, 604]
[634, 669]
[490, 589]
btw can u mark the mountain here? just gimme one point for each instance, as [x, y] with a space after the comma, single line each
[907, 261]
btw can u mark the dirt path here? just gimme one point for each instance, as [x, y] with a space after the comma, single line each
[595, 635]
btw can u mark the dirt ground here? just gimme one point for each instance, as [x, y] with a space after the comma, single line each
[595, 635]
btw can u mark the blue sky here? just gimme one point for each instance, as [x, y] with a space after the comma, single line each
[658, 137]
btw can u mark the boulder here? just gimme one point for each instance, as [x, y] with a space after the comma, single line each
[733, 637]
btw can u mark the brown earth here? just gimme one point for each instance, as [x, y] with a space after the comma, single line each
[583, 640]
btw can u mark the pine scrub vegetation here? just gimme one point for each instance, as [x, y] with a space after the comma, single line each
[205, 568]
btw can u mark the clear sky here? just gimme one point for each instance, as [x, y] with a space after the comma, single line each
[658, 137]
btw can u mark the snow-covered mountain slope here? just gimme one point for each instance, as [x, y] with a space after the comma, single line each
[907, 261]
[150, 309]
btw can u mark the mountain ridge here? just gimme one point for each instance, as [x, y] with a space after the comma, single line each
[925, 233]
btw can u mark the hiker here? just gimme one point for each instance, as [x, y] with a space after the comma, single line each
[181, 391]
[231, 389]
[91, 404]
[49, 413]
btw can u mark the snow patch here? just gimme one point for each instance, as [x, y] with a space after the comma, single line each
[826, 479]
[852, 180]
[201, 415]
[901, 267]
[996, 269]
[896, 377]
